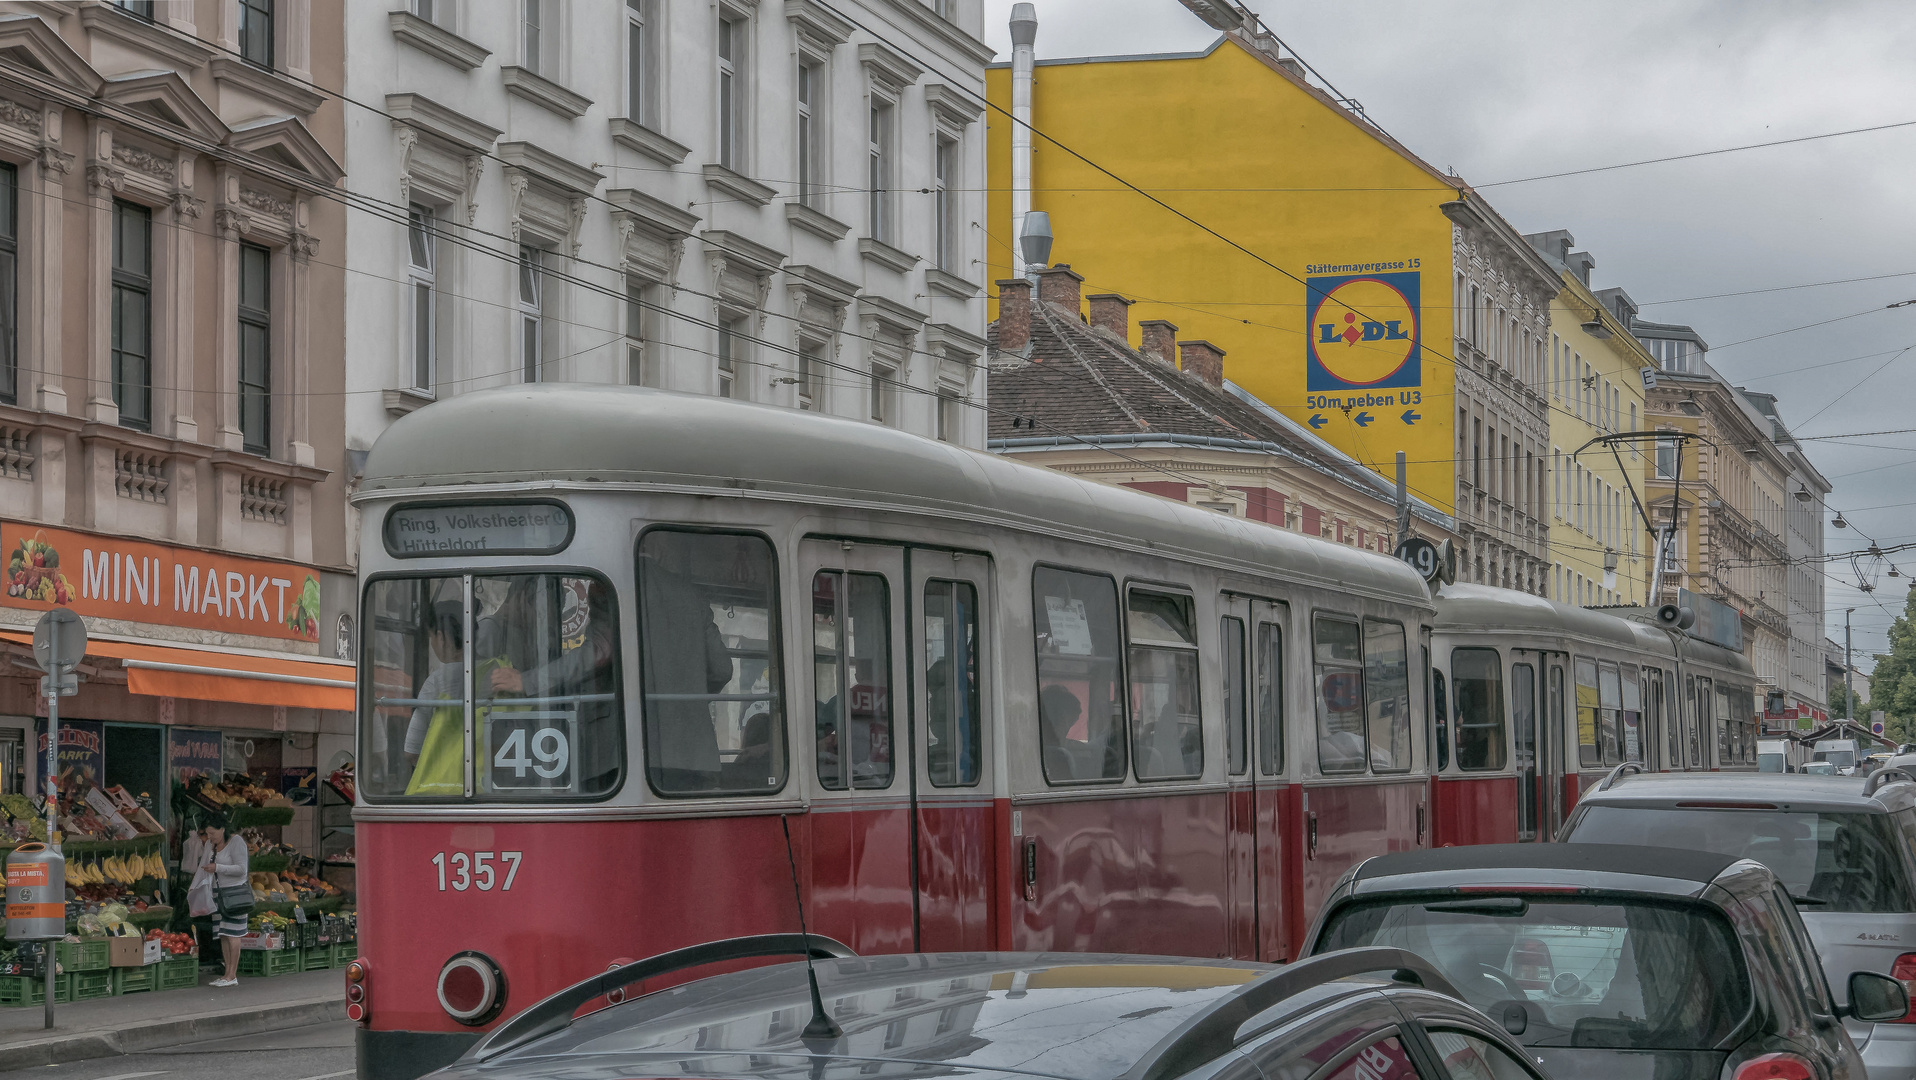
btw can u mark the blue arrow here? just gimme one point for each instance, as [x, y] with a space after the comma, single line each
[1411, 417]
[1317, 420]
[1362, 419]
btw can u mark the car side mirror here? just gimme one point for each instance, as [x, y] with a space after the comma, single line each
[1877, 998]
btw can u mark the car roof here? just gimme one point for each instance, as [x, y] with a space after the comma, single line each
[1064, 1015]
[1806, 792]
[1619, 867]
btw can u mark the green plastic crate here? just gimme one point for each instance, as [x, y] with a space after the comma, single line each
[87, 985]
[266, 963]
[32, 990]
[83, 955]
[318, 958]
[134, 980]
[344, 952]
[177, 973]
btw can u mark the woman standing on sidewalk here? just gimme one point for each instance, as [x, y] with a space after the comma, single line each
[226, 865]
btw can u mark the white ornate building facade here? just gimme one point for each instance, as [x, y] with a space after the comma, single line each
[771, 200]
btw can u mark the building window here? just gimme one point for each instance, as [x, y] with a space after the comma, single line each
[140, 8]
[256, 31]
[1666, 459]
[133, 314]
[730, 344]
[944, 204]
[810, 79]
[641, 361]
[882, 379]
[422, 266]
[531, 314]
[811, 373]
[255, 349]
[945, 9]
[531, 34]
[1473, 315]
[878, 154]
[640, 62]
[731, 96]
[9, 286]
[948, 415]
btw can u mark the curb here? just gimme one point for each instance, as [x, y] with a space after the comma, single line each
[137, 1038]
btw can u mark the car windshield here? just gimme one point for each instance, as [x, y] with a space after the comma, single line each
[1828, 861]
[1842, 759]
[1820, 768]
[1620, 974]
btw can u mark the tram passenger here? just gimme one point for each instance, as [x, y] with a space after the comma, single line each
[686, 659]
[1065, 758]
[537, 663]
[447, 641]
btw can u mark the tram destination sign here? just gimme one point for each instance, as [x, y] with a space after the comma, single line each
[422, 530]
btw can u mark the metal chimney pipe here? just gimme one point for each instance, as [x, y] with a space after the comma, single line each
[1024, 33]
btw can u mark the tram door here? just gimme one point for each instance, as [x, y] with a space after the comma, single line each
[1554, 741]
[1529, 744]
[1251, 634]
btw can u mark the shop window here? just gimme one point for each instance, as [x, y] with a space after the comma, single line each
[1236, 709]
[1080, 678]
[1339, 645]
[709, 649]
[954, 727]
[1167, 741]
[1270, 697]
[1387, 695]
[538, 655]
[851, 679]
[1478, 677]
[1589, 749]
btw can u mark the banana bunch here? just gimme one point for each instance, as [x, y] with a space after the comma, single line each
[123, 869]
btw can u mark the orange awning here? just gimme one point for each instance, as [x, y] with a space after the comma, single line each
[163, 671]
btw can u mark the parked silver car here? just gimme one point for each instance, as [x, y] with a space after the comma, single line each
[1844, 847]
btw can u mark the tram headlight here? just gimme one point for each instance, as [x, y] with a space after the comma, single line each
[472, 989]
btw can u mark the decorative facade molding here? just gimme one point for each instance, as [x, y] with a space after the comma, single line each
[12, 112]
[144, 161]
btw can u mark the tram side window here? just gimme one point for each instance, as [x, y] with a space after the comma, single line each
[1387, 695]
[1633, 728]
[1479, 678]
[1589, 748]
[1339, 645]
[1700, 736]
[1695, 719]
[1080, 681]
[1270, 698]
[709, 649]
[851, 679]
[1610, 697]
[544, 685]
[1440, 720]
[954, 728]
[1236, 709]
[1167, 741]
[1728, 739]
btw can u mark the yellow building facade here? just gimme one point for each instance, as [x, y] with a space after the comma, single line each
[1352, 286]
[1599, 546]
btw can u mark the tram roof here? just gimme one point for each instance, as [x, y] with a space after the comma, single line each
[1486, 607]
[578, 435]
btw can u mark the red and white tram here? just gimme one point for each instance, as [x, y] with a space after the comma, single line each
[611, 637]
[616, 641]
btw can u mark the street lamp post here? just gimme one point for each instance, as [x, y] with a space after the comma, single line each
[1849, 688]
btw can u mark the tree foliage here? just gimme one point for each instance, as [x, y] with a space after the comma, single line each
[1893, 682]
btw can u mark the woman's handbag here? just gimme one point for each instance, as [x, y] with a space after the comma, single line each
[234, 901]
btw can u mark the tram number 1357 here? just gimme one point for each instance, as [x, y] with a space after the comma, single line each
[477, 870]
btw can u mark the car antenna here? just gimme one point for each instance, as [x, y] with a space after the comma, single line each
[821, 1026]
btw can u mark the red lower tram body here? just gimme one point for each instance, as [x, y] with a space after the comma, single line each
[1235, 872]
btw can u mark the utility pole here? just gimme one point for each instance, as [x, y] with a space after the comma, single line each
[1403, 500]
[1849, 687]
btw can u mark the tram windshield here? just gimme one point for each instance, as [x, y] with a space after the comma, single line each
[539, 670]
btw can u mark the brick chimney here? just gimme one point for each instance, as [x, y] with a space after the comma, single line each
[1203, 359]
[1158, 339]
[1014, 314]
[1060, 288]
[1112, 312]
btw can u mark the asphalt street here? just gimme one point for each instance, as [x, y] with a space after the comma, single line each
[319, 1052]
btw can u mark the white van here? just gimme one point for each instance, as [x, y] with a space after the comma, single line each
[1841, 753]
[1778, 755]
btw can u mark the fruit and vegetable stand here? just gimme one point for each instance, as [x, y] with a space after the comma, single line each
[276, 945]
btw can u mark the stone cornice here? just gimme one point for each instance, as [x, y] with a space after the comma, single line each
[436, 41]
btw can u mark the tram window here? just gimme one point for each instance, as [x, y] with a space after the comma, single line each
[1632, 730]
[1727, 740]
[1698, 711]
[1479, 678]
[1523, 723]
[1236, 709]
[851, 679]
[1610, 698]
[954, 728]
[1440, 719]
[1339, 645]
[1167, 741]
[1270, 698]
[544, 685]
[1589, 750]
[1080, 682]
[1387, 695]
[709, 651]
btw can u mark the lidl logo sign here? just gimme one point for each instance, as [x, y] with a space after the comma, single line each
[1366, 332]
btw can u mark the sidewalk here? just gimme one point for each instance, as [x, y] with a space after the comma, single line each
[108, 1027]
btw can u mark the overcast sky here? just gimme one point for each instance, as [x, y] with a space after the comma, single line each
[1503, 90]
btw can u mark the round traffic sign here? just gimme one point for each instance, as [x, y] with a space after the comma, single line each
[59, 638]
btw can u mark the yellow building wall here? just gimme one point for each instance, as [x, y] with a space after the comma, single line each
[1236, 145]
[1579, 538]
